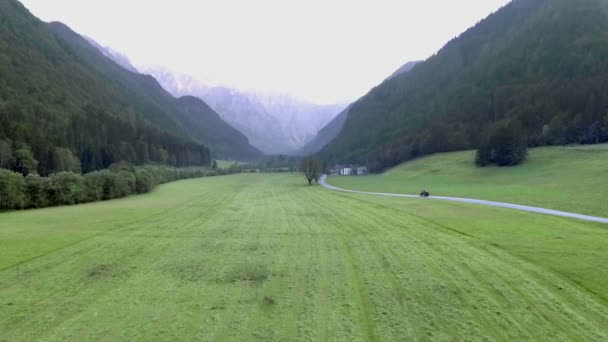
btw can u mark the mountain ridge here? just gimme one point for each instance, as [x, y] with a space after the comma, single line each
[202, 123]
[334, 127]
[275, 123]
[405, 68]
[117, 56]
[61, 98]
[531, 61]
[325, 134]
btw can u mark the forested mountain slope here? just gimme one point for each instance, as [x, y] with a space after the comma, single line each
[60, 98]
[196, 118]
[118, 57]
[533, 61]
[330, 131]
[405, 68]
[52, 100]
[325, 134]
[204, 124]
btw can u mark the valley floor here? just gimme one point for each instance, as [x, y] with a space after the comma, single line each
[266, 257]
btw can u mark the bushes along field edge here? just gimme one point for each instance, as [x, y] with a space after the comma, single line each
[68, 188]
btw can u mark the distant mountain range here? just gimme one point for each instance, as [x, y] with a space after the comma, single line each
[405, 68]
[334, 127]
[274, 123]
[118, 57]
[199, 120]
[536, 63]
[325, 135]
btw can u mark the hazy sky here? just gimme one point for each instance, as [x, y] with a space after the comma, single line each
[322, 50]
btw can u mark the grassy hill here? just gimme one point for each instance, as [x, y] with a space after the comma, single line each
[534, 62]
[572, 178]
[266, 257]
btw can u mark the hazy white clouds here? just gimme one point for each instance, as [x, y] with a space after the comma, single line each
[325, 51]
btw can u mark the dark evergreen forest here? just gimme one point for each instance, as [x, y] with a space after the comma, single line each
[534, 64]
[66, 107]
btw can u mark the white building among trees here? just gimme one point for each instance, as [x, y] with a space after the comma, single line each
[346, 171]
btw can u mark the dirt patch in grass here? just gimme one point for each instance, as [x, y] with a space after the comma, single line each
[250, 247]
[268, 300]
[189, 271]
[102, 271]
[251, 274]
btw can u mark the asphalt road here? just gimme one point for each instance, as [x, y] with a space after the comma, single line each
[545, 211]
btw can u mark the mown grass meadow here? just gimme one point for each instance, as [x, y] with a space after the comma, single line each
[571, 178]
[266, 257]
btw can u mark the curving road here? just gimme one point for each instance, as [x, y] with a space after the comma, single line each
[323, 183]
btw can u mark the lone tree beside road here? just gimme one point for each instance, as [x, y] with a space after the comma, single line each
[312, 170]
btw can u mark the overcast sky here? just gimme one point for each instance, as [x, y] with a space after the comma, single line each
[321, 50]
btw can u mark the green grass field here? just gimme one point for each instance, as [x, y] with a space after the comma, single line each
[564, 178]
[224, 164]
[265, 257]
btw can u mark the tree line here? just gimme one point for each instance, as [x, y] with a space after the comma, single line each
[88, 142]
[67, 188]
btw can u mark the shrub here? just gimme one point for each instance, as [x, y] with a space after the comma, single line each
[145, 180]
[67, 188]
[125, 183]
[111, 185]
[37, 191]
[505, 145]
[12, 186]
[93, 186]
[24, 161]
[64, 160]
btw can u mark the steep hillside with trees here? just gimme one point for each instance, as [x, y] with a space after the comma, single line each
[325, 135]
[334, 127]
[205, 125]
[195, 118]
[405, 68]
[533, 64]
[66, 107]
[52, 102]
